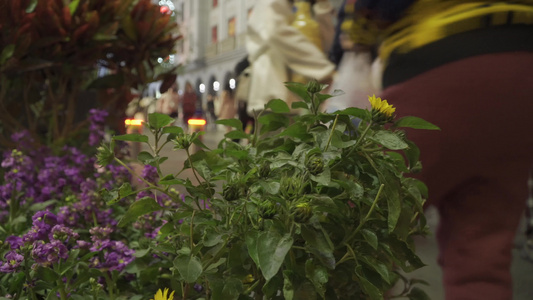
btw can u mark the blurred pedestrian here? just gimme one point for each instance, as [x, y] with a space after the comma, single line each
[466, 67]
[227, 105]
[275, 47]
[189, 100]
[242, 93]
[168, 102]
[356, 70]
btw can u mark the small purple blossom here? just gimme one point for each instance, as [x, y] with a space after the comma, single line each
[46, 254]
[96, 127]
[14, 242]
[114, 255]
[12, 262]
[62, 233]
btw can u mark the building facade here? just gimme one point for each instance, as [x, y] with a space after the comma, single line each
[213, 42]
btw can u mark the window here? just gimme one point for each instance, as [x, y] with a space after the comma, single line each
[214, 34]
[231, 27]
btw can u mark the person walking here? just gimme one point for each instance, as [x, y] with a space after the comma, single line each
[189, 100]
[466, 67]
[274, 47]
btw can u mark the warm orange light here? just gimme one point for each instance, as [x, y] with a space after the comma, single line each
[196, 122]
[133, 122]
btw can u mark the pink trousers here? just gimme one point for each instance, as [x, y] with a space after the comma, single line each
[476, 166]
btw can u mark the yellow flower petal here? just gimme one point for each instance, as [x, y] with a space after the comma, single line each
[163, 295]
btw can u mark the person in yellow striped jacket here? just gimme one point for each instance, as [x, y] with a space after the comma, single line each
[466, 66]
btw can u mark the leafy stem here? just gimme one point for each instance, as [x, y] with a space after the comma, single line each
[151, 185]
[331, 133]
[368, 214]
[195, 172]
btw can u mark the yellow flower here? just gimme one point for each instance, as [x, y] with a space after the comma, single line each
[163, 295]
[381, 109]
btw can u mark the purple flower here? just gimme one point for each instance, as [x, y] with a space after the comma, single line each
[62, 233]
[149, 173]
[114, 255]
[44, 218]
[12, 262]
[83, 245]
[100, 233]
[96, 126]
[14, 242]
[46, 254]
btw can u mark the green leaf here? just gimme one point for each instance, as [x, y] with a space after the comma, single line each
[138, 208]
[355, 112]
[171, 180]
[145, 157]
[271, 187]
[369, 289]
[235, 123]
[377, 267]
[338, 142]
[318, 275]
[47, 274]
[318, 243]
[404, 256]
[165, 230]
[173, 130]
[215, 265]
[299, 89]
[412, 153]
[415, 122]
[41, 205]
[272, 122]
[7, 52]
[107, 82]
[72, 6]
[251, 239]
[158, 121]
[288, 288]
[132, 137]
[278, 106]
[297, 130]
[389, 140]
[394, 205]
[16, 282]
[232, 289]
[417, 294]
[235, 135]
[271, 251]
[31, 7]
[299, 104]
[141, 252]
[129, 27]
[189, 267]
[272, 286]
[371, 238]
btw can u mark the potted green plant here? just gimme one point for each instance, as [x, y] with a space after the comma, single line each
[314, 206]
[51, 52]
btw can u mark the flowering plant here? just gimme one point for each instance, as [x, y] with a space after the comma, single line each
[58, 236]
[316, 206]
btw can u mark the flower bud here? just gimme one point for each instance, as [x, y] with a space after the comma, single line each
[314, 164]
[104, 155]
[314, 87]
[183, 141]
[290, 187]
[302, 211]
[264, 170]
[231, 192]
[267, 209]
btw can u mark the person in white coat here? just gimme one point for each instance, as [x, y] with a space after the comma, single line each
[275, 49]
